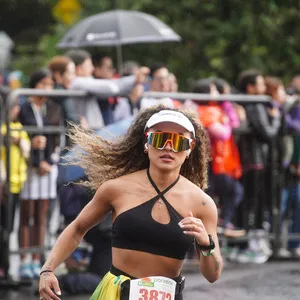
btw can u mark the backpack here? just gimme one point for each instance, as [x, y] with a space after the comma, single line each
[73, 197]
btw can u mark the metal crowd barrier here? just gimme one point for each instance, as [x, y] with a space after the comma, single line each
[5, 106]
[238, 98]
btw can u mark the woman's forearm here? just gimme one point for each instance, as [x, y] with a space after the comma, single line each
[210, 266]
[64, 247]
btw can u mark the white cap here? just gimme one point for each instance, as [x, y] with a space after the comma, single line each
[172, 117]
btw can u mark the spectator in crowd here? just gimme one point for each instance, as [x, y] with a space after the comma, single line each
[103, 66]
[4, 259]
[173, 88]
[88, 107]
[1, 78]
[294, 87]
[63, 72]
[225, 169]
[40, 186]
[61, 110]
[286, 158]
[19, 153]
[104, 69]
[129, 106]
[290, 125]
[264, 123]
[291, 195]
[129, 67]
[159, 82]
[222, 86]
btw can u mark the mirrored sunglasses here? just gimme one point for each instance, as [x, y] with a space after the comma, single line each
[159, 140]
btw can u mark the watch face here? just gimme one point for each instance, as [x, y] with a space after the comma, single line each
[211, 245]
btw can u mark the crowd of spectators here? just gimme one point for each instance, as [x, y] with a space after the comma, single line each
[255, 151]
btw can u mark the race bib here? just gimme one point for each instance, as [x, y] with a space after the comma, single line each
[152, 288]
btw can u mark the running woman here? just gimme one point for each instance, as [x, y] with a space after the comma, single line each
[152, 180]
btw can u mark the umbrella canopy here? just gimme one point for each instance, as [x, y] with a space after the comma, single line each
[118, 27]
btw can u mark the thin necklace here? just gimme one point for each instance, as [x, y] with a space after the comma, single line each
[160, 203]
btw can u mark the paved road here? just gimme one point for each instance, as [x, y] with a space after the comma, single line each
[272, 281]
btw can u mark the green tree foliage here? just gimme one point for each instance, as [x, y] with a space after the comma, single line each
[220, 37]
[224, 37]
[25, 21]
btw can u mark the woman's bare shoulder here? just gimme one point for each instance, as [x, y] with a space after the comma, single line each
[201, 200]
[118, 184]
[134, 175]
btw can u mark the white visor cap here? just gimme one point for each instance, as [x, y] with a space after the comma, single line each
[172, 117]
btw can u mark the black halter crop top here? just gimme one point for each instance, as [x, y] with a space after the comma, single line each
[135, 229]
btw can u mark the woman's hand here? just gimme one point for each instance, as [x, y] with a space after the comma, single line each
[240, 110]
[274, 112]
[49, 288]
[15, 140]
[44, 168]
[194, 227]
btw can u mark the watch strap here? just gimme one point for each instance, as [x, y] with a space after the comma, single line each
[211, 245]
[209, 253]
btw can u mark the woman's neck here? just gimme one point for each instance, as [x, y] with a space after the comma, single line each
[163, 178]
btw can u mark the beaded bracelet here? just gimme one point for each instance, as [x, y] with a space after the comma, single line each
[46, 271]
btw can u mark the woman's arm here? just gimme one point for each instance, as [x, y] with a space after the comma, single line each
[90, 216]
[211, 266]
[110, 87]
[104, 87]
[232, 114]
[199, 225]
[220, 131]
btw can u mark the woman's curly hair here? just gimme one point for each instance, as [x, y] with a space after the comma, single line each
[108, 159]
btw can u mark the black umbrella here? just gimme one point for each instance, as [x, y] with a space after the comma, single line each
[116, 28]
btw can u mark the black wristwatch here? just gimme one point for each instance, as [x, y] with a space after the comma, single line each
[211, 245]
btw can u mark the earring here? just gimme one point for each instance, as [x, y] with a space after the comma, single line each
[146, 148]
[188, 154]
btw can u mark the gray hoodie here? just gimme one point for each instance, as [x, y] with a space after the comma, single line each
[88, 106]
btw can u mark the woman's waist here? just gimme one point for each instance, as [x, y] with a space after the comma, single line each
[126, 285]
[140, 264]
[117, 272]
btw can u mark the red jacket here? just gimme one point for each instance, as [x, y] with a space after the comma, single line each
[225, 154]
